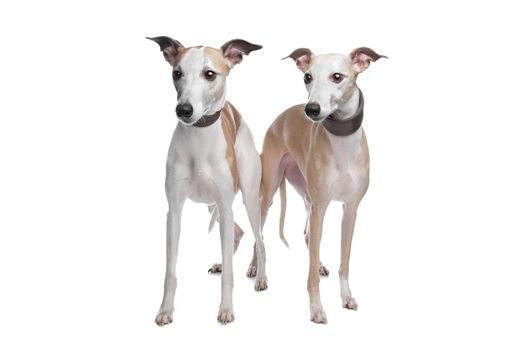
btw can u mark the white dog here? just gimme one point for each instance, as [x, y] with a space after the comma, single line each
[212, 153]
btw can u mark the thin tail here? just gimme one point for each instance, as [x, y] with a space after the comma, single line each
[282, 193]
[214, 213]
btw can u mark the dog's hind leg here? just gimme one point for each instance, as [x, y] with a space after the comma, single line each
[237, 235]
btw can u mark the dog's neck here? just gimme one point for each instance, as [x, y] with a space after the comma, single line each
[207, 120]
[344, 123]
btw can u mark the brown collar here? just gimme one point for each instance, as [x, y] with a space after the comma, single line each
[207, 120]
[348, 126]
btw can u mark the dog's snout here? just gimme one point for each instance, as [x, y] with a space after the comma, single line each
[184, 110]
[312, 109]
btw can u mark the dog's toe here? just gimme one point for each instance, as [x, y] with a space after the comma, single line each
[261, 284]
[216, 268]
[225, 316]
[349, 303]
[164, 317]
[252, 271]
[317, 315]
[323, 271]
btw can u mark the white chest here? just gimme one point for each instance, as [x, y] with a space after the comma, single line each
[347, 175]
[197, 159]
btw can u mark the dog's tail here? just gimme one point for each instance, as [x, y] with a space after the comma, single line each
[214, 214]
[282, 193]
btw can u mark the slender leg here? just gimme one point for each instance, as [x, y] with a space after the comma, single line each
[165, 315]
[226, 227]
[251, 201]
[317, 313]
[238, 233]
[347, 232]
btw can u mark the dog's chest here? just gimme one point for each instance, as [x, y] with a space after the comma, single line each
[199, 160]
[347, 172]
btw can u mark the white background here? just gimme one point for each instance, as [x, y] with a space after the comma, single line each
[86, 116]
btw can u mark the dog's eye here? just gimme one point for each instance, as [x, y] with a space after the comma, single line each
[177, 74]
[307, 78]
[337, 78]
[210, 75]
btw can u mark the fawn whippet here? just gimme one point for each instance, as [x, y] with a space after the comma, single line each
[211, 154]
[321, 149]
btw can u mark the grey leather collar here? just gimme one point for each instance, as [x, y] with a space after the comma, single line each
[207, 120]
[347, 126]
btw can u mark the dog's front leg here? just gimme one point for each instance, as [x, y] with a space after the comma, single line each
[226, 227]
[176, 202]
[347, 232]
[317, 313]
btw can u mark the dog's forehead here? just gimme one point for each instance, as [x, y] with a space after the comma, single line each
[201, 57]
[330, 62]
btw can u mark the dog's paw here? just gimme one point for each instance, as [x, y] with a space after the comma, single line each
[349, 302]
[216, 268]
[164, 317]
[252, 271]
[261, 284]
[317, 315]
[225, 316]
[323, 271]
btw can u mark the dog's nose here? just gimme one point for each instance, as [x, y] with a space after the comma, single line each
[184, 110]
[312, 109]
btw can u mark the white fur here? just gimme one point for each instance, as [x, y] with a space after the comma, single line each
[195, 90]
[197, 169]
[322, 90]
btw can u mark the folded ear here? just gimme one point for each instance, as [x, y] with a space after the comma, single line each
[234, 50]
[361, 58]
[302, 58]
[170, 47]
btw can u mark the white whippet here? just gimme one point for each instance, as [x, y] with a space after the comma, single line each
[211, 154]
[323, 154]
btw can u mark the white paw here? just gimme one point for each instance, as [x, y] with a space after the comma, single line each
[225, 316]
[349, 302]
[252, 271]
[164, 317]
[216, 268]
[317, 315]
[261, 284]
[323, 271]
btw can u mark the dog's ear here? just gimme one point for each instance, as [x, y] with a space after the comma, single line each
[361, 58]
[170, 47]
[302, 58]
[234, 50]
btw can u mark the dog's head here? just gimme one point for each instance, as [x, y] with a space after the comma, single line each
[199, 74]
[330, 79]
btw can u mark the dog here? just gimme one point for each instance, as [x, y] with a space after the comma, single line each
[321, 149]
[211, 155]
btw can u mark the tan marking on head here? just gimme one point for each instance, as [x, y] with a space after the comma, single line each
[217, 59]
[182, 53]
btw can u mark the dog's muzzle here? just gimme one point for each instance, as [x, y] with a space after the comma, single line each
[312, 110]
[184, 110]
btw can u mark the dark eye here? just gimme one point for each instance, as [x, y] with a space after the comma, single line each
[307, 78]
[210, 75]
[337, 78]
[177, 74]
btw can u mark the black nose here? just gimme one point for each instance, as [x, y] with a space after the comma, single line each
[312, 109]
[184, 110]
